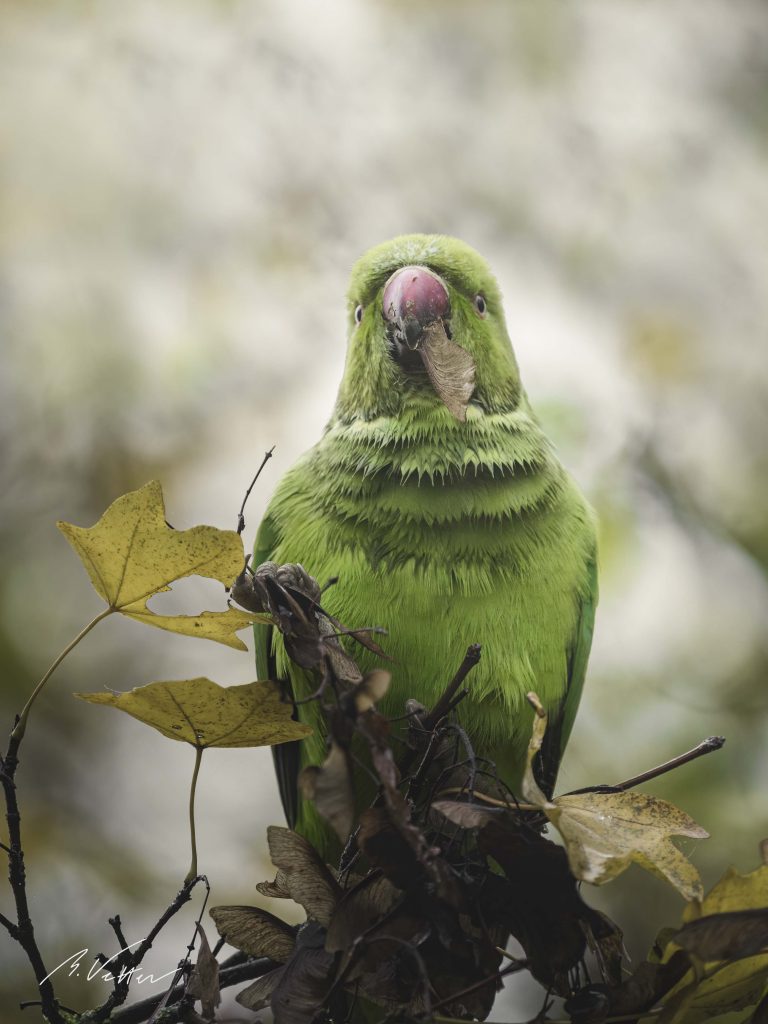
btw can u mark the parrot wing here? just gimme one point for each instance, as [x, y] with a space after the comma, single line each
[286, 756]
[561, 721]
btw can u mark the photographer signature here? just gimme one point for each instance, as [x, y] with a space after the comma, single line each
[100, 970]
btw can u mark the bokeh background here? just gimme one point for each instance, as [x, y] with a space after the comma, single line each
[183, 190]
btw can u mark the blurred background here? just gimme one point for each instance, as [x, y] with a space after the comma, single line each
[183, 190]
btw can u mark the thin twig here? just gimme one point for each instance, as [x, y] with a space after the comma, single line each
[508, 956]
[707, 746]
[456, 701]
[186, 1002]
[519, 965]
[471, 658]
[234, 970]
[241, 513]
[117, 927]
[9, 926]
[117, 997]
[356, 633]
[433, 717]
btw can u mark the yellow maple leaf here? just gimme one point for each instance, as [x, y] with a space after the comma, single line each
[606, 832]
[720, 987]
[131, 554]
[204, 714]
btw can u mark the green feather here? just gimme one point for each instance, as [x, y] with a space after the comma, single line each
[446, 533]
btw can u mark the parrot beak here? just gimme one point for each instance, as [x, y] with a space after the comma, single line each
[417, 309]
[414, 298]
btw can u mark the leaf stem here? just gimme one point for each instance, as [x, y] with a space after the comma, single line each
[192, 873]
[508, 805]
[21, 724]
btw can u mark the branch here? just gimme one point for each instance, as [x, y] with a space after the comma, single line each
[23, 931]
[518, 965]
[235, 969]
[10, 927]
[131, 961]
[443, 706]
[707, 746]
[241, 513]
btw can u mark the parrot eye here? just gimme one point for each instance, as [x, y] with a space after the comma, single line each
[480, 305]
[358, 314]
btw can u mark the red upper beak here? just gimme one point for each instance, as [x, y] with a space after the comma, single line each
[415, 293]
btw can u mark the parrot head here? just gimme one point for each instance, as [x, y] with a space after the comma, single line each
[427, 331]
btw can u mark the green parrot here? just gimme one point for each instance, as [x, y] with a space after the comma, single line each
[438, 502]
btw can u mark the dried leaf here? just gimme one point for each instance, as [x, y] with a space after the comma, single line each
[466, 815]
[259, 994]
[255, 931]
[539, 903]
[386, 848]
[359, 909]
[302, 987]
[530, 787]
[204, 982]
[760, 1015]
[385, 969]
[289, 594]
[729, 936]
[646, 986]
[305, 981]
[364, 638]
[244, 593]
[733, 986]
[202, 713]
[308, 880]
[606, 941]
[606, 832]
[330, 788]
[376, 730]
[371, 690]
[276, 890]
[450, 368]
[344, 667]
[132, 554]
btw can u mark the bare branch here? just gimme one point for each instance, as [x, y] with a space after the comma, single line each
[443, 706]
[241, 513]
[235, 969]
[23, 932]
